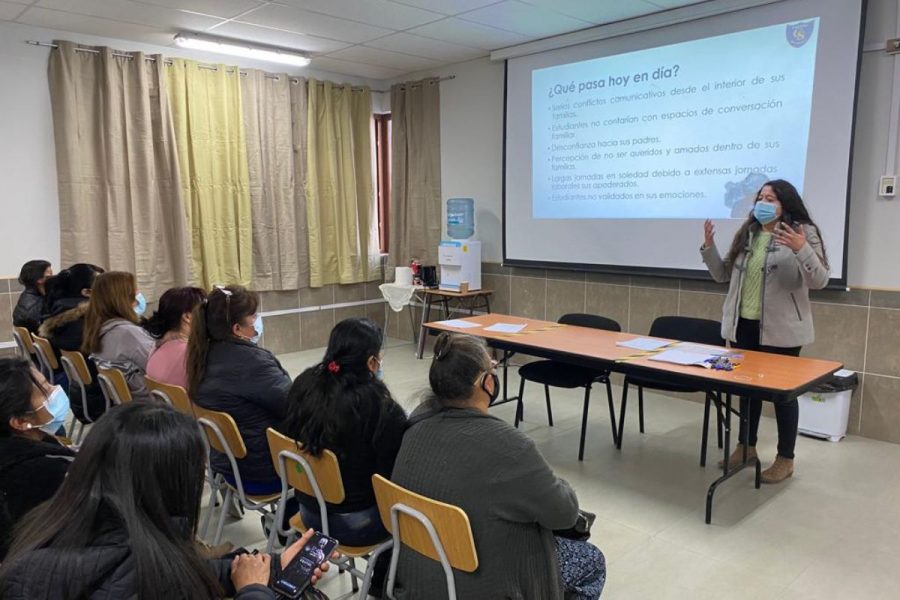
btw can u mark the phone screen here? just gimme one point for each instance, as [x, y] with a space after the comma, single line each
[295, 577]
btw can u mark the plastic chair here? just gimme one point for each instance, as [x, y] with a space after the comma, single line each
[319, 477]
[173, 395]
[46, 357]
[551, 373]
[685, 329]
[434, 529]
[24, 343]
[79, 375]
[221, 433]
[114, 386]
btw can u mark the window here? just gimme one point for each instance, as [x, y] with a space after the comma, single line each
[383, 178]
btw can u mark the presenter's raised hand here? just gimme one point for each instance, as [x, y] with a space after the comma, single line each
[709, 234]
[792, 237]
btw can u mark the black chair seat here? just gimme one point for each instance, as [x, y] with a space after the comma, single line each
[557, 374]
[663, 385]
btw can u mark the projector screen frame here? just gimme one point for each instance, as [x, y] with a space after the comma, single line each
[839, 282]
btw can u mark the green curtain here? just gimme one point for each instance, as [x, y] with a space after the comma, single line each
[339, 188]
[212, 154]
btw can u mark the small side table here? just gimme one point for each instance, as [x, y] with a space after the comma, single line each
[470, 301]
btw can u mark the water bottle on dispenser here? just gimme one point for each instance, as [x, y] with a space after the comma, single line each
[459, 257]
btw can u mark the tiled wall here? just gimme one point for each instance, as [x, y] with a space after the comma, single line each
[9, 296]
[860, 328]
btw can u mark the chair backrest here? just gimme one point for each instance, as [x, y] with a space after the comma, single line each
[450, 522]
[688, 329]
[593, 321]
[24, 342]
[76, 366]
[45, 353]
[226, 425]
[325, 468]
[114, 386]
[173, 395]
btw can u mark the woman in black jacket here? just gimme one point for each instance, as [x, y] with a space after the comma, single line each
[122, 523]
[228, 372]
[33, 464]
[68, 293]
[31, 304]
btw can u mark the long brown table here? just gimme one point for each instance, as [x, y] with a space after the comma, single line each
[770, 377]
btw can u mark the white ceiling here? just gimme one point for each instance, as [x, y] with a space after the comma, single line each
[378, 39]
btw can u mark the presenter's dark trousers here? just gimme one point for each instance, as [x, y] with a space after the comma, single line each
[787, 414]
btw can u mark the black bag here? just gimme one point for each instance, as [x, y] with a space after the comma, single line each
[581, 530]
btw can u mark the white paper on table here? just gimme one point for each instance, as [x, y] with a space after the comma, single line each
[506, 327]
[643, 344]
[844, 373]
[704, 349]
[680, 357]
[459, 323]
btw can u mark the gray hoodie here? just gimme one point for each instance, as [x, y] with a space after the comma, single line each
[126, 347]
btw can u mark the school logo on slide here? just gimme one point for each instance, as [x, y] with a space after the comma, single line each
[799, 33]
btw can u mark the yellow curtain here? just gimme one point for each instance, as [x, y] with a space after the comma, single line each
[209, 133]
[339, 187]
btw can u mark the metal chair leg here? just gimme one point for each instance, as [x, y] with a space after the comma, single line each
[622, 406]
[641, 408]
[221, 526]
[549, 410]
[584, 418]
[354, 584]
[520, 405]
[612, 412]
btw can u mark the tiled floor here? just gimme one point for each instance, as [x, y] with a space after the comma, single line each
[832, 531]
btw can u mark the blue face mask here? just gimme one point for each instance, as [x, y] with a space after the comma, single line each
[58, 407]
[258, 327]
[765, 212]
[141, 305]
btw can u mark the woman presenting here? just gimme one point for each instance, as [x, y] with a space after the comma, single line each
[776, 257]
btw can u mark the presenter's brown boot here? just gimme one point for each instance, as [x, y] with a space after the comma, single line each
[737, 457]
[780, 470]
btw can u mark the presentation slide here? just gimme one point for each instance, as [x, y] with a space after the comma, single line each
[617, 149]
[688, 130]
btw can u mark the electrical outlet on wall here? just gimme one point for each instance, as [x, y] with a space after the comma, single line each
[887, 186]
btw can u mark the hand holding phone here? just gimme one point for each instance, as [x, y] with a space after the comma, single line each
[248, 569]
[303, 563]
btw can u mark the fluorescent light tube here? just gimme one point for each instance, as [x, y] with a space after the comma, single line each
[240, 48]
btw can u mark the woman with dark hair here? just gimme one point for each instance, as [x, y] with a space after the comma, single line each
[230, 373]
[33, 463]
[112, 336]
[456, 452]
[170, 325]
[31, 304]
[776, 257]
[68, 293]
[342, 404]
[122, 523]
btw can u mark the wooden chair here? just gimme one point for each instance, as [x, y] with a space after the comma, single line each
[173, 395]
[114, 386]
[319, 477]
[46, 357]
[221, 434]
[434, 529]
[79, 375]
[24, 343]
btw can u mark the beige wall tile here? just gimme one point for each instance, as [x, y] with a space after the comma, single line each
[376, 313]
[279, 300]
[527, 297]
[881, 409]
[665, 283]
[6, 304]
[500, 286]
[885, 299]
[349, 312]
[353, 292]
[883, 352]
[609, 301]
[649, 303]
[701, 305]
[372, 290]
[564, 297]
[315, 327]
[282, 333]
[322, 296]
[840, 334]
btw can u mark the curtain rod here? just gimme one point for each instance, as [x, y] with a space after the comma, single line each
[130, 56]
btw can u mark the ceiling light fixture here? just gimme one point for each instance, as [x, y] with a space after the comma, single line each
[232, 47]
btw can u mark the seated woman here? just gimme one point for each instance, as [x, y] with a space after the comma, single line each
[68, 293]
[112, 337]
[455, 452]
[228, 372]
[33, 463]
[342, 405]
[170, 325]
[31, 305]
[122, 522]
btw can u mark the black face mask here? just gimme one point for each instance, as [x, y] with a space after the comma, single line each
[493, 396]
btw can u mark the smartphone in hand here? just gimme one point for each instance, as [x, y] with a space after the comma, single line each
[294, 579]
